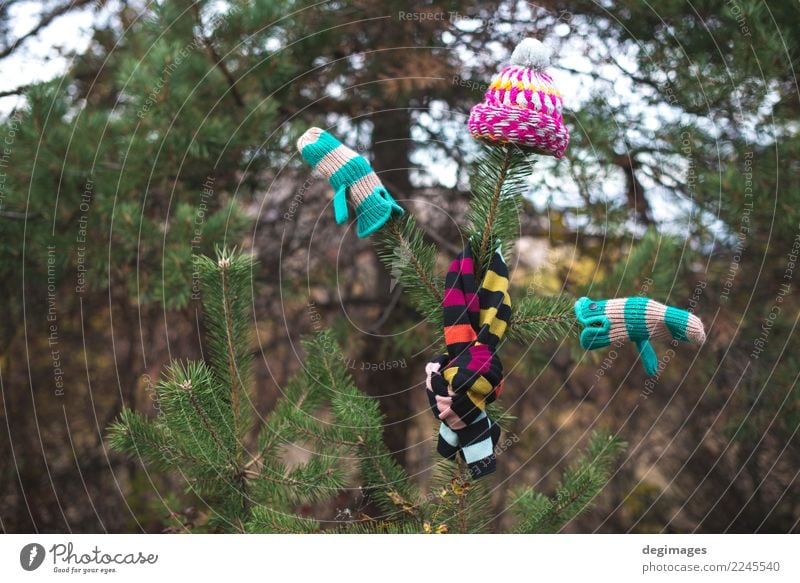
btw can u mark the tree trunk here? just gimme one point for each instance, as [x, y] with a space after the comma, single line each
[391, 143]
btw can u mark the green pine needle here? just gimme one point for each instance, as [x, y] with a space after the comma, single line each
[579, 486]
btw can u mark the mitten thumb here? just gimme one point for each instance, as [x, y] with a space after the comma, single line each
[648, 356]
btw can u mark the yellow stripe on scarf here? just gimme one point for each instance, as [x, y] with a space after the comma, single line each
[497, 326]
[495, 283]
[479, 389]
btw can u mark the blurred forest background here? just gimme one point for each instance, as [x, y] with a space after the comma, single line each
[174, 131]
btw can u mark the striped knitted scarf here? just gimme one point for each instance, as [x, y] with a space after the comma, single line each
[460, 383]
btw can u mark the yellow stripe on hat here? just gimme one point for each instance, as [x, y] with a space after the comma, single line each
[508, 85]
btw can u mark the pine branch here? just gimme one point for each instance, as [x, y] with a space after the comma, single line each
[460, 471]
[226, 284]
[195, 408]
[226, 304]
[537, 318]
[459, 501]
[46, 19]
[236, 382]
[200, 426]
[651, 267]
[579, 486]
[17, 91]
[136, 436]
[369, 526]
[411, 260]
[266, 519]
[297, 400]
[499, 179]
[215, 57]
[319, 479]
[358, 418]
[491, 215]
[187, 386]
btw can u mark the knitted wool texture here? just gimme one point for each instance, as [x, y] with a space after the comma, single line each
[522, 105]
[637, 319]
[349, 172]
[460, 383]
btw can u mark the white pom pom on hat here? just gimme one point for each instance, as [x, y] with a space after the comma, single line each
[531, 53]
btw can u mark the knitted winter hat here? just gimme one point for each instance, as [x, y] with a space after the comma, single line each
[522, 105]
[460, 383]
[637, 319]
[349, 172]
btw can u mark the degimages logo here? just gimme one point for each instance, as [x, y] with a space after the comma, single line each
[31, 556]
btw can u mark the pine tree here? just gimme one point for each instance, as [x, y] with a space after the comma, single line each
[498, 183]
[205, 414]
[204, 407]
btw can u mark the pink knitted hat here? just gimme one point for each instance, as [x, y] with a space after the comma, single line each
[522, 105]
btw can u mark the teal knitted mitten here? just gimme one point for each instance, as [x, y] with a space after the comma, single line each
[639, 320]
[349, 173]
